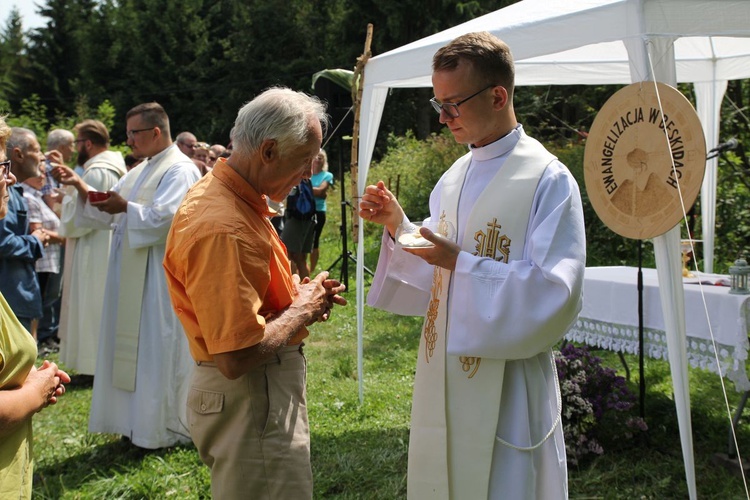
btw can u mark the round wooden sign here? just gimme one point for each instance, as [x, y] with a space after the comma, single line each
[639, 161]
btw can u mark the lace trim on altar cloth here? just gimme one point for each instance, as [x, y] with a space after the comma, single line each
[700, 352]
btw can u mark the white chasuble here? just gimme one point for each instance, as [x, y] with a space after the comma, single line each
[139, 187]
[456, 398]
[86, 261]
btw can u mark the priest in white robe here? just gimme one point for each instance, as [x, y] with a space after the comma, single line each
[486, 419]
[86, 250]
[143, 364]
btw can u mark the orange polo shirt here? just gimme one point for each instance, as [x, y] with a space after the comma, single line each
[227, 270]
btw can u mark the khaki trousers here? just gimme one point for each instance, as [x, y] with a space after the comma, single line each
[253, 432]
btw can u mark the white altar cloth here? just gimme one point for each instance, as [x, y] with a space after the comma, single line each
[609, 319]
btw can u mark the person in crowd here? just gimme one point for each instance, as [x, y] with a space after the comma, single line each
[246, 318]
[277, 214]
[48, 268]
[299, 227]
[62, 141]
[186, 141]
[60, 149]
[215, 153]
[131, 161]
[212, 157]
[200, 151]
[486, 411]
[321, 180]
[200, 157]
[87, 249]
[25, 390]
[143, 362]
[19, 247]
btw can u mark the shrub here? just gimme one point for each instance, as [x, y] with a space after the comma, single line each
[411, 168]
[596, 403]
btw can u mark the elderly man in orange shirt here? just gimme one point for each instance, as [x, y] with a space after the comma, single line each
[244, 312]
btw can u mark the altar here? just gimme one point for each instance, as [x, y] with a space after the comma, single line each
[609, 319]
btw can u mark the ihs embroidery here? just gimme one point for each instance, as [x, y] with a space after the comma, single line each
[430, 332]
[492, 244]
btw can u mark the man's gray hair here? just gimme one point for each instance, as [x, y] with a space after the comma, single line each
[20, 138]
[279, 114]
[59, 137]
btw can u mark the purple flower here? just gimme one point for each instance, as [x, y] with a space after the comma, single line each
[591, 395]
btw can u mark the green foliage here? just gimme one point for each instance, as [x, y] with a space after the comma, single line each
[732, 238]
[12, 60]
[344, 78]
[603, 246]
[411, 168]
[359, 451]
[33, 116]
[203, 59]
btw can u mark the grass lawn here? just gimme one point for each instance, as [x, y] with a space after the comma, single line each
[359, 451]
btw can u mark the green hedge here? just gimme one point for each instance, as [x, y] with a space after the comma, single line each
[412, 167]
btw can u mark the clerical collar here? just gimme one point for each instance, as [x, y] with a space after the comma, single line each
[500, 147]
[158, 156]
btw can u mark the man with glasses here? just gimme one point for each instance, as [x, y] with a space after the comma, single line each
[143, 362]
[486, 419]
[186, 141]
[87, 250]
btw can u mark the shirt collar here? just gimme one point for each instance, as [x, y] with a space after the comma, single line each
[158, 156]
[240, 186]
[30, 189]
[500, 147]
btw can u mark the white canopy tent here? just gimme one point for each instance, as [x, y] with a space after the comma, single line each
[706, 42]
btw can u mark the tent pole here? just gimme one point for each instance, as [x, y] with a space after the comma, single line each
[357, 87]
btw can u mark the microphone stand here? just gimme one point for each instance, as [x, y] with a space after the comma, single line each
[642, 378]
[345, 255]
[641, 375]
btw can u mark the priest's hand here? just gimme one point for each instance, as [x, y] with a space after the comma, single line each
[67, 176]
[115, 204]
[380, 206]
[443, 254]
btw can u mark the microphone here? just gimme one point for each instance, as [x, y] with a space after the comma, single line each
[725, 146]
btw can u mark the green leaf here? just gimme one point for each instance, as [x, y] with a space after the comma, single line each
[344, 78]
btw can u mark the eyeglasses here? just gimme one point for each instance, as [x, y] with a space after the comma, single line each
[80, 140]
[131, 133]
[451, 108]
[4, 168]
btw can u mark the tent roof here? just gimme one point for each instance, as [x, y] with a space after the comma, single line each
[587, 46]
